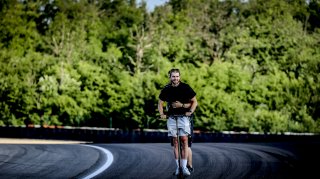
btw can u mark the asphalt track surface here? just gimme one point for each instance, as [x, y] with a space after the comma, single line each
[210, 160]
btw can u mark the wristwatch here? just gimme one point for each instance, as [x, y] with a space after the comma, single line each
[190, 111]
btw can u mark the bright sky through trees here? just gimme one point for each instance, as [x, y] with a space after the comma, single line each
[152, 3]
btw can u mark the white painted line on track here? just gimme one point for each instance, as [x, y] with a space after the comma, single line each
[104, 166]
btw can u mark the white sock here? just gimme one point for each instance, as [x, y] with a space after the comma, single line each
[177, 162]
[184, 163]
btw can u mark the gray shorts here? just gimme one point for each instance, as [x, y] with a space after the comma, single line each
[183, 125]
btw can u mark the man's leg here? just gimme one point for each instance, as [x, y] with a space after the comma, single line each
[189, 164]
[171, 125]
[184, 147]
[185, 153]
[175, 147]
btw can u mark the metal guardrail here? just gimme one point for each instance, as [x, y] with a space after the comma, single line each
[112, 135]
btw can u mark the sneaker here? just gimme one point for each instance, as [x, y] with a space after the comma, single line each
[185, 171]
[177, 171]
[191, 170]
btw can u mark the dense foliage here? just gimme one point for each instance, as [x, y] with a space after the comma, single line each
[254, 64]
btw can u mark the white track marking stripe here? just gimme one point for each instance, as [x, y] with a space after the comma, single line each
[104, 166]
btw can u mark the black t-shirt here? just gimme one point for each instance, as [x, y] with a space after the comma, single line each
[183, 93]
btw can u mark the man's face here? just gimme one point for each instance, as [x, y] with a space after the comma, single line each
[175, 78]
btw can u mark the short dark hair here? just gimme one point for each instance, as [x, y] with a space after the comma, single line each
[173, 70]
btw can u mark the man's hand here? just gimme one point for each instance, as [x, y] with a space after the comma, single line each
[189, 113]
[163, 116]
[176, 104]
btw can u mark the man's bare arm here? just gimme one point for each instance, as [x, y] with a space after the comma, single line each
[178, 104]
[160, 108]
[191, 106]
[194, 104]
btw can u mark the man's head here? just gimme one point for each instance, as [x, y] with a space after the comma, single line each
[174, 75]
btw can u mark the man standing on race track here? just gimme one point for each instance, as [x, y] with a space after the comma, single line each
[178, 91]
